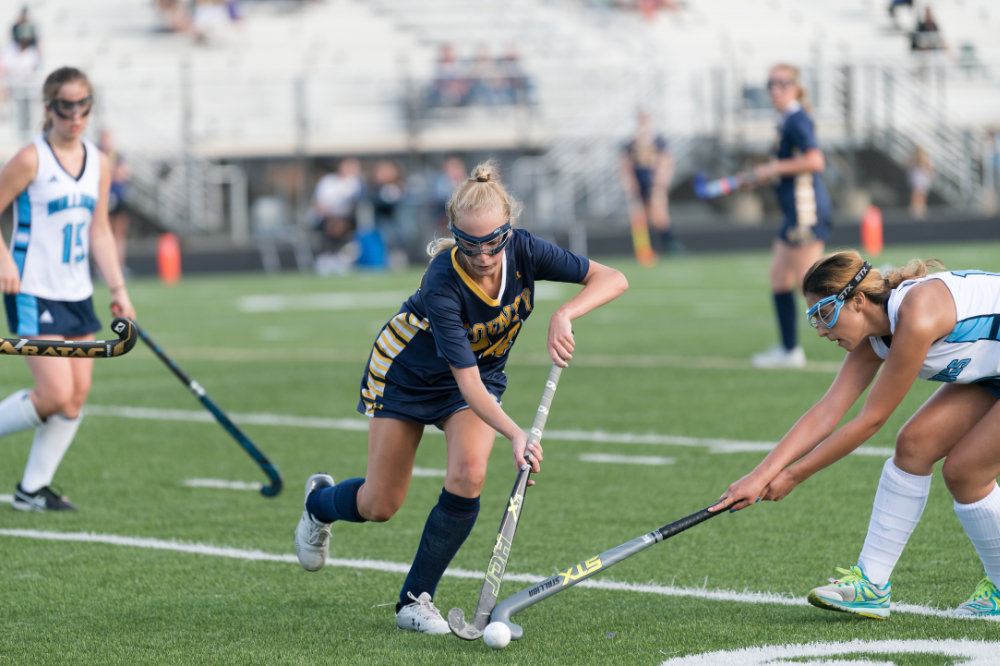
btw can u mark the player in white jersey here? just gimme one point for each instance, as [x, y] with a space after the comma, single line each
[59, 186]
[945, 328]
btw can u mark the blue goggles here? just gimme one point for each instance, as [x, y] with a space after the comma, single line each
[827, 310]
[492, 243]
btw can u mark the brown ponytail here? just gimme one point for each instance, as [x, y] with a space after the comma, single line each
[54, 83]
[831, 273]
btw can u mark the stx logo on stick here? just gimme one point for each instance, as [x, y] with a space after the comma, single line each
[515, 505]
[584, 569]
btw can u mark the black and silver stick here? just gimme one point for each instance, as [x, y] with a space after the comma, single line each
[262, 460]
[516, 603]
[470, 631]
[125, 328]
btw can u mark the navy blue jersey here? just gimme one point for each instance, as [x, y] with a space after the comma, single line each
[803, 198]
[450, 321]
[645, 157]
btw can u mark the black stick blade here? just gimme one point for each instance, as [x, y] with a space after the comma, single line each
[128, 335]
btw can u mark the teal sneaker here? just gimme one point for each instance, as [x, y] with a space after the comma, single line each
[984, 602]
[853, 594]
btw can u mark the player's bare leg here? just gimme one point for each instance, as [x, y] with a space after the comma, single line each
[392, 447]
[61, 388]
[469, 442]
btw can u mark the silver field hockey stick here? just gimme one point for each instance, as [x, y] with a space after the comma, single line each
[516, 603]
[470, 631]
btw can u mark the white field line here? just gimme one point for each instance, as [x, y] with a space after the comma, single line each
[6, 499]
[350, 300]
[713, 445]
[427, 471]
[220, 483]
[630, 361]
[397, 567]
[253, 485]
[978, 653]
[626, 460]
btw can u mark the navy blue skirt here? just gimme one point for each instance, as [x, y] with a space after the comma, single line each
[30, 316]
[991, 385]
[396, 384]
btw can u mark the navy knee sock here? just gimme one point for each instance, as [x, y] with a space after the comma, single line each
[784, 305]
[446, 530]
[339, 502]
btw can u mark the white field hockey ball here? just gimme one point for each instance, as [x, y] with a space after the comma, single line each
[497, 635]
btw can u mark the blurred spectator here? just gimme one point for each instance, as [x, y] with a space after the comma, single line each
[920, 173]
[483, 81]
[927, 37]
[174, 15]
[452, 173]
[23, 29]
[450, 83]
[649, 8]
[896, 4]
[335, 200]
[21, 61]
[209, 16]
[118, 215]
[386, 198]
[515, 87]
[646, 169]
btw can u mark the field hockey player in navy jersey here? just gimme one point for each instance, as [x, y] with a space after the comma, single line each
[59, 185]
[805, 205]
[440, 362]
[903, 326]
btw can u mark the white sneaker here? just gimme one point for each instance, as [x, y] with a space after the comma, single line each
[779, 357]
[312, 539]
[421, 616]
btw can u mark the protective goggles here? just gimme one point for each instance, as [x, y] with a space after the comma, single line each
[827, 310]
[64, 108]
[492, 243]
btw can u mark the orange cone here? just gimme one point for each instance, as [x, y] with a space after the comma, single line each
[168, 259]
[871, 231]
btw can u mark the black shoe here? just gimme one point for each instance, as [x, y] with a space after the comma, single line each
[44, 499]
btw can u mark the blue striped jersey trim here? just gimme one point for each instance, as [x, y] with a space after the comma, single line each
[22, 230]
[985, 327]
[27, 315]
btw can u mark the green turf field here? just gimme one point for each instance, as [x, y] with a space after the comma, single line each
[668, 358]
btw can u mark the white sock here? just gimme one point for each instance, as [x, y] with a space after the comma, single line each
[17, 413]
[899, 502]
[981, 521]
[52, 438]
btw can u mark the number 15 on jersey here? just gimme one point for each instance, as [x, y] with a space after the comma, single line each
[69, 244]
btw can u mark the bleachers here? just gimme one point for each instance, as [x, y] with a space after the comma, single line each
[349, 76]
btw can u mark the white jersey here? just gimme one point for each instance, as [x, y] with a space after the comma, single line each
[971, 352]
[52, 217]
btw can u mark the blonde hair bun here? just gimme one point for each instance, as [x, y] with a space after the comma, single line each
[483, 173]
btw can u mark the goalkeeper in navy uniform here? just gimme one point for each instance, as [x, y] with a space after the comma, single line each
[440, 362]
[805, 203]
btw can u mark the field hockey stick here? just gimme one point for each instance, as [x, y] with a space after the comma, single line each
[262, 460]
[125, 328]
[516, 603]
[711, 189]
[501, 550]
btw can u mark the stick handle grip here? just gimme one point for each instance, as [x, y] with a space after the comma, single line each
[687, 522]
